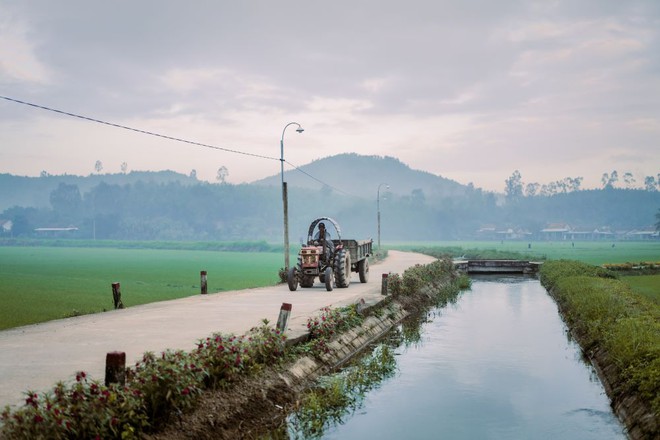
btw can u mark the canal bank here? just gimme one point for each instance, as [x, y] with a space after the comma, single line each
[639, 418]
[266, 401]
[260, 404]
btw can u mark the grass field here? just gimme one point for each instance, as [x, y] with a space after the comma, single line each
[44, 283]
[596, 253]
[647, 285]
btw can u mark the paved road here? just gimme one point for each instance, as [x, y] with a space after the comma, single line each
[35, 357]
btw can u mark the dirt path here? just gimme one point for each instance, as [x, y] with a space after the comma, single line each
[36, 357]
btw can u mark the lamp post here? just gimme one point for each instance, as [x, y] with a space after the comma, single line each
[378, 207]
[285, 203]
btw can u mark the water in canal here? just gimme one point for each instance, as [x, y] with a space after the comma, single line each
[497, 364]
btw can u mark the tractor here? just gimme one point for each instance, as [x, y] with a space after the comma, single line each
[332, 260]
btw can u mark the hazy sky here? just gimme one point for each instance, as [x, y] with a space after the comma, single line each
[470, 90]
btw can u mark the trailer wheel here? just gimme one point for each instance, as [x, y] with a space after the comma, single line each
[343, 268]
[292, 279]
[363, 269]
[328, 279]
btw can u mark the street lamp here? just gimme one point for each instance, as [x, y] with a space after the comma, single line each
[285, 203]
[378, 206]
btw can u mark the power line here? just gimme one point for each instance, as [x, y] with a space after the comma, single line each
[150, 133]
[172, 138]
[318, 180]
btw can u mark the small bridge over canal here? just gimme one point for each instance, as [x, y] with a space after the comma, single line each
[497, 266]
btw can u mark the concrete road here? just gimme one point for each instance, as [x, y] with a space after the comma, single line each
[35, 357]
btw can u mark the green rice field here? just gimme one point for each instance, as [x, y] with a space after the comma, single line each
[591, 252]
[646, 285]
[39, 284]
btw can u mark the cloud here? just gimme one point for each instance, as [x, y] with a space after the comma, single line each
[19, 62]
[471, 90]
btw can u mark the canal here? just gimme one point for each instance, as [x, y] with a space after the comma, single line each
[496, 364]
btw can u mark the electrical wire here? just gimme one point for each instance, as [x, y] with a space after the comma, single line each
[318, 180]
[172, 138]
[150, 133]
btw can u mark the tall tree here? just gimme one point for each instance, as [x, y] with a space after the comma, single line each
[531, 189]
[574, 183]
[124, 167]
[98, 166]
[223, 172]
[629, 179]
[650, 184]
[65, 198]
[513, 188]
[608, 180]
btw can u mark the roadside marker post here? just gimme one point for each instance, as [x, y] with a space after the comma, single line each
[116, 296]
[203, 282]
[283, 319]
[115, 368]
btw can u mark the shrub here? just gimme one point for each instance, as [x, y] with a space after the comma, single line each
[167, 384]
[82, 410]
[328, 323]
[156, 388]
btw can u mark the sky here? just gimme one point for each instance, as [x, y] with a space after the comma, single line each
[470, 90]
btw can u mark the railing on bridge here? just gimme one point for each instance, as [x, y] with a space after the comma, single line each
[497, 266]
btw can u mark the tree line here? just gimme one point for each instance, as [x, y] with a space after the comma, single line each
[175, 210]
[515, 188]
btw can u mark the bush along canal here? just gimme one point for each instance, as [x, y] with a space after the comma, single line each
[496, 363]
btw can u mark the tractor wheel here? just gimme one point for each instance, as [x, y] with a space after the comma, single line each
[328, 279]
[305, 280]
[343, 268]
[363, 269]
[292, 279]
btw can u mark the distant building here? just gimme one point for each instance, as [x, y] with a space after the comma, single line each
[555, 231]
[5, 226]
[564, 232]
[643, 234]
[56, 232]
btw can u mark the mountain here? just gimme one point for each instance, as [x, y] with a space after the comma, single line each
[357, 175]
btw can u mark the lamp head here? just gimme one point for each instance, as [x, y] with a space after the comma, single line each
[300, 129]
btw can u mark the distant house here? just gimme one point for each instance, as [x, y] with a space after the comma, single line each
[603, 234]
[56, 232]
[643, 234]
[555, 231]
[5, 226]
[491, 232]
[487, 232]
[580, 234]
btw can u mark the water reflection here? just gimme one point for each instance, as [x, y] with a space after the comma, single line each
[495, 364]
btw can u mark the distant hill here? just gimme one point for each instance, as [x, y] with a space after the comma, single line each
[360, 176]
[35, 191]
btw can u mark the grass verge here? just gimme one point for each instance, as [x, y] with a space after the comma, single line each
[606, 315]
